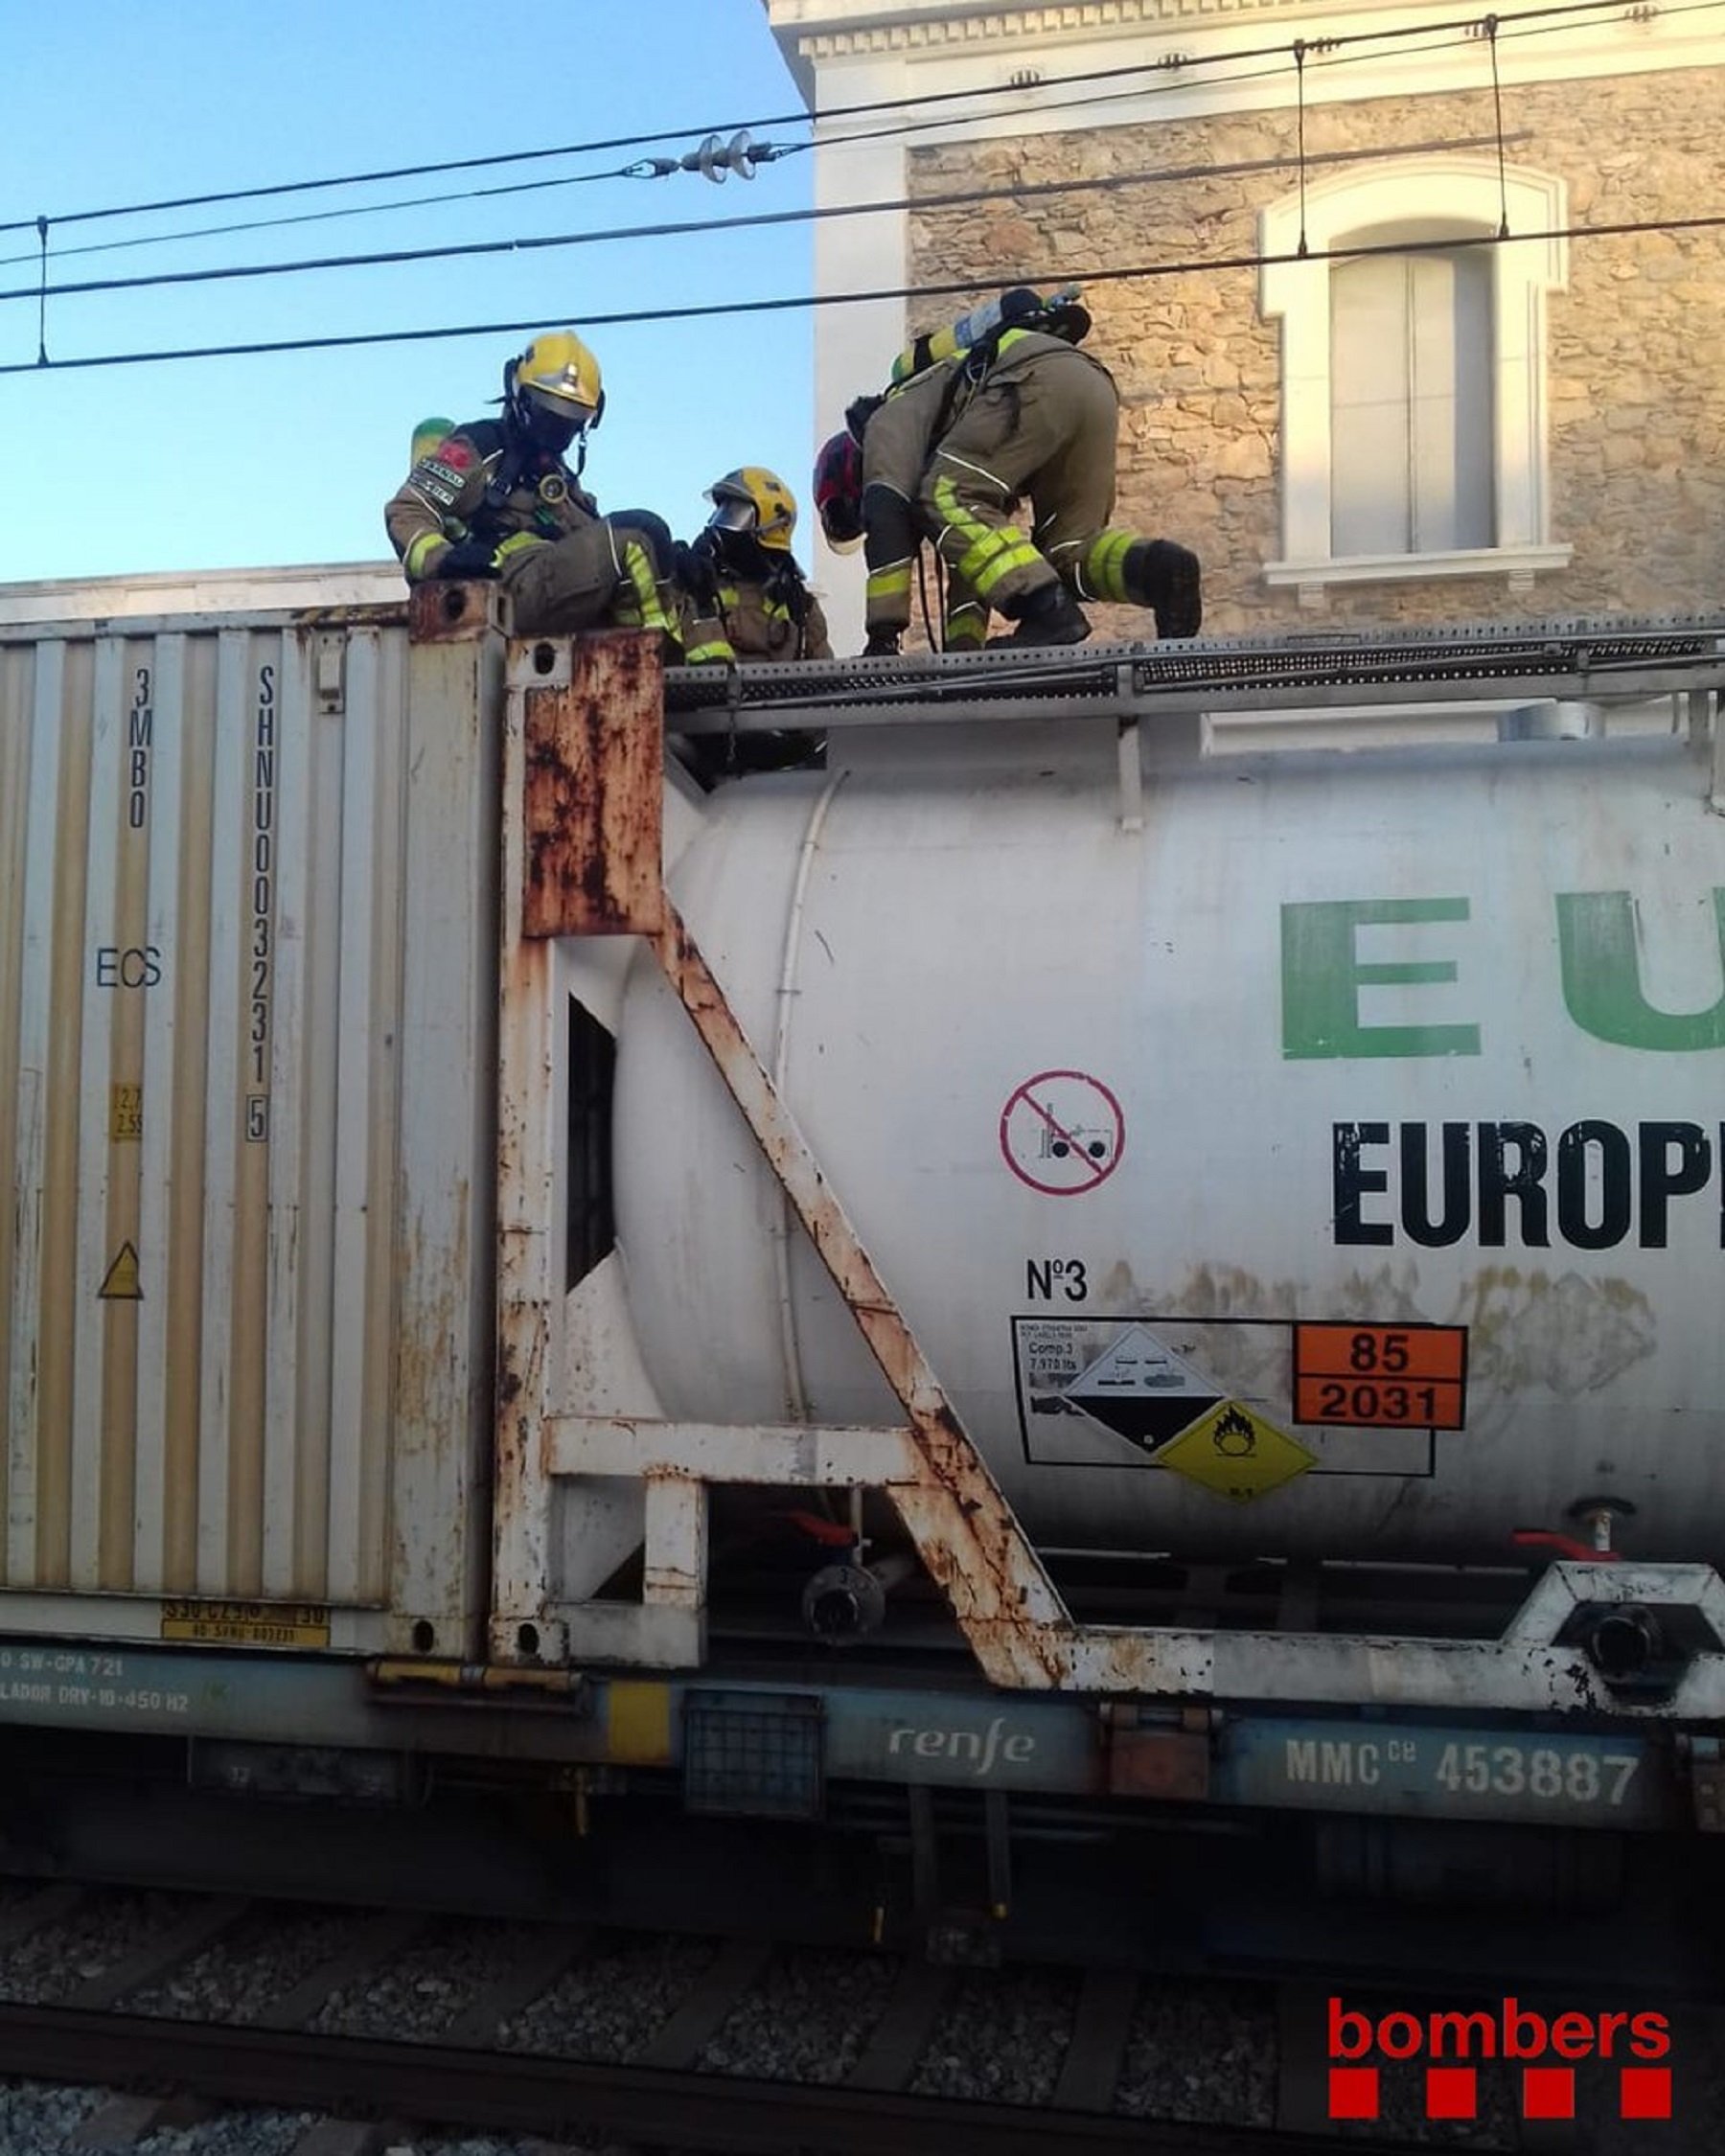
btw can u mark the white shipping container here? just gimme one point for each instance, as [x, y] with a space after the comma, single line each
[245, 1124]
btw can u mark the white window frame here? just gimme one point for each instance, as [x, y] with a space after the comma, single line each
[1447, 197]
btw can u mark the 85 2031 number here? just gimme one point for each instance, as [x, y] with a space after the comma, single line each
[1338, 1402]
[1385, 1376]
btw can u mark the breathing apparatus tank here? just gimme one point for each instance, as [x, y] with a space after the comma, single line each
[1020, 308]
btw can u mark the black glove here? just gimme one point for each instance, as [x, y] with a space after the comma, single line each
[694, 568]
[883, 643]
[469, 558]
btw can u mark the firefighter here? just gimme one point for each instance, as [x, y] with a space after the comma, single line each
[747, 594]
[951, 452]
[494, 498]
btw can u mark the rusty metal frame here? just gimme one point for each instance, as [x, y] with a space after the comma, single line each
[582, 858]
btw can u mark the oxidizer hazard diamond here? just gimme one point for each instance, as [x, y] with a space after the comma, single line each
[1235, 1452]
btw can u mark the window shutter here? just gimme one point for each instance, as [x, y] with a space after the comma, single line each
[1411, 433]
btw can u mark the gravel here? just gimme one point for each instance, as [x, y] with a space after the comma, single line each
[1001, 2038]
[231, 2133]
[434, 1980]
[611, 2004]
[53, 1959]
[807, 2020]
[1201, 2051]
[482, 2146]
[236, 1978]
[38, 2117]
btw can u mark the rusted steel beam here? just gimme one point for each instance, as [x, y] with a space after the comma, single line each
[966, 1533]
[593, 792]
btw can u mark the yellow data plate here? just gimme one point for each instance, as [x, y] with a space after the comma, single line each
[1235, 1452]
[248, 1624]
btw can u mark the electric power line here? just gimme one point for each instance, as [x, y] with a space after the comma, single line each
[1327, 53]
[1009, 191]
[1559, 11]
[1538, 21]
[576, 179]
[1624, 228]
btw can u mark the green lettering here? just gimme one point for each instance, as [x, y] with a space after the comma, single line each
[1322, 979]
[1597, 937]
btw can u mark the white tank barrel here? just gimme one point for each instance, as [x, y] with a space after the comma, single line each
[1332, 1166]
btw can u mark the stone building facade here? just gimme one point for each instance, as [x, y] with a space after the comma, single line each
[1314, 346]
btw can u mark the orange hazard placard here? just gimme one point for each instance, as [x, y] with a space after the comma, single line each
[1392, 1377]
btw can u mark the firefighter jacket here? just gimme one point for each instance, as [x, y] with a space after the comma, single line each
[755, 620]
[482, 482]
[904, 434]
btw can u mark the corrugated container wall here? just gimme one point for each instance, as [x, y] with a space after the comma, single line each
[240, 1358]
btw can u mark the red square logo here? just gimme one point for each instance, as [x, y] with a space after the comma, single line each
[1548, 2092]
[1451, 2092]
[1645, 2092]
[1353, 2092]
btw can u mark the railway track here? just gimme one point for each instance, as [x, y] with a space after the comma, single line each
[439, 2087]
[692, 2043]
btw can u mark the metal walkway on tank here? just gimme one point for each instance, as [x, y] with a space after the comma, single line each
[1620, 657]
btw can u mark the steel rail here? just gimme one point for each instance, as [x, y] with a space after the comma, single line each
[527, 2093]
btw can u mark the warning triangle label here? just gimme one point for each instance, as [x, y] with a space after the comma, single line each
[119, 1283]
[1142, 1392]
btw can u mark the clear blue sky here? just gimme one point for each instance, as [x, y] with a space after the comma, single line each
[289, 458]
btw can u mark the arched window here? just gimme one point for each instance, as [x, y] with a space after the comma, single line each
[1414, 430]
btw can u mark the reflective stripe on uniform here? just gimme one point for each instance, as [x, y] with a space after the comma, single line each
[713, 649]
[946, 456]
[965, 628]
[730, 600]
[517, 542]
[990, 552]
[1101, 574]
[649, 609]
[419, 552]
[889, 581]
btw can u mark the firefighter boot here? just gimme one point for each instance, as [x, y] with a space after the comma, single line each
[1166, 577]
[1049, 615]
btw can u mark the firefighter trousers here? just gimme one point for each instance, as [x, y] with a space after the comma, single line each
[1047, 435]
[603, 572]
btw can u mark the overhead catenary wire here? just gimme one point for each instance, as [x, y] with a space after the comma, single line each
[349, 210]
[1175, 83]
[1534, 22]
[1326, 52]
[1102, 275]
[1556, 12]
[1531, 22]
[1008, 191]
[530, 186]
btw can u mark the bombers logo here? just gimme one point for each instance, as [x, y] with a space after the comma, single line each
[1634, 2047]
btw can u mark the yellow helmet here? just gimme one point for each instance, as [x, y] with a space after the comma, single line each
[559, 375]
[757, 501]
